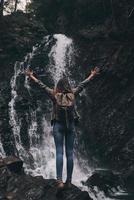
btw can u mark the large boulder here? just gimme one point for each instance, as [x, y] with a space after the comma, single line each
[129, 180]
[25, 187]
[15, 185]
[105, 180]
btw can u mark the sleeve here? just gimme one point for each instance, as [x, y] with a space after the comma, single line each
[48, 90]
[81, 86]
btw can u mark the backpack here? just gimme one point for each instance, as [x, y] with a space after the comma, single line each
[65, 107]
[65, 99]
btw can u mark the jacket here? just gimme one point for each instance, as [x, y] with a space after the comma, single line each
[51, 94]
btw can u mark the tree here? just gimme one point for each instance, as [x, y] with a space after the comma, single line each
[1, 8]
[16, 3]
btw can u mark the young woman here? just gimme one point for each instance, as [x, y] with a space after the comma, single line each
[63, 120]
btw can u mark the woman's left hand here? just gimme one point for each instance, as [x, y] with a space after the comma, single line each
[95, 71]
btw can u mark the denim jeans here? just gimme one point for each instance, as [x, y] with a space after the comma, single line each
[61, 132]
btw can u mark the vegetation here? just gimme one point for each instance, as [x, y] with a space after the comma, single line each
[81, 13]
[8, 6]
[64, 14]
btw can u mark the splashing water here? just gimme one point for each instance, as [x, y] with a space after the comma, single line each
[60, 57]
[14, 121]
[2, 153]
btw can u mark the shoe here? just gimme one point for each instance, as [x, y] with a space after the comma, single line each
[68, 185]
[60, 184]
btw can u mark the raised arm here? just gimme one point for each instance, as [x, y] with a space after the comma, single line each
[48, 90]
[84, 83]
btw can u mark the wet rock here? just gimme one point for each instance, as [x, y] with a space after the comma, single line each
[93, 33]
[2, 164]
[105, 180]
[2, 196]
[129, 180]
[27, 187]
[124, 195]
[4, 176]
[13, 163]
[19, 186]
[108, 131]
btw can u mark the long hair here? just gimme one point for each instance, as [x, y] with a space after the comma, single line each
[63, 86]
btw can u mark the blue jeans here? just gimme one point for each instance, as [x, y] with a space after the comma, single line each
[60, 132]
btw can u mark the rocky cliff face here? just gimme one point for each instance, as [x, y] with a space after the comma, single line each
[107, 106]
[18, 34]
[109, 97]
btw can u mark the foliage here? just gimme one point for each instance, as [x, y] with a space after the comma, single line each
[81, 13]
[10, 6]
[78, 12]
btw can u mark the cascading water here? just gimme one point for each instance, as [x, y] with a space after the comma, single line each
[39, 155]
[2, 153]
[60, 56]
[14, 120]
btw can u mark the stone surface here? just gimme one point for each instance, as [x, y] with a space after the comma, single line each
[1, 162]
[105, 180]
[13, 163]
[16, 186]
[129, 180]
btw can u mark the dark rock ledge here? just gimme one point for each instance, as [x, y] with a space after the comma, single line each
[16, 185]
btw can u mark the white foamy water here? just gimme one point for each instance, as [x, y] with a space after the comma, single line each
[42, 153]
[2, 153]
[14, 120]
[60, 56]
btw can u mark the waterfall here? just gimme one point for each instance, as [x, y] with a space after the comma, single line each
[14, 120]
[60, 57]
[39, 157]
[2, 153]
